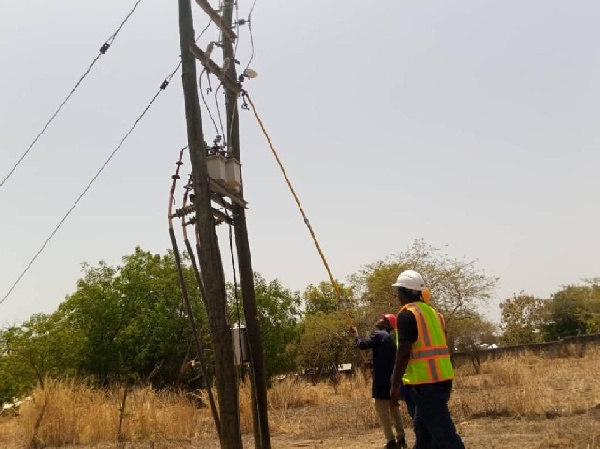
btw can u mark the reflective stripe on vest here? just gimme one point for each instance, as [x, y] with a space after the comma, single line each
[429, 353]
[430, 358]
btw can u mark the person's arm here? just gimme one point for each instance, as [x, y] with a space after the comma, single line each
[366, 343]
[402, 358]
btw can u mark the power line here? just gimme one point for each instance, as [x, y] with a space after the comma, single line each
[162, 87]
[235, 48]
[252, 9]
[251, 34]
[238, 23]
[114, 35]
[212, 119]
[209, 85]
[219, 39]
[102, 51]
[225, 136]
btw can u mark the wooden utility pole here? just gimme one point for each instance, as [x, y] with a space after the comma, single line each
[258, 375]
[210, 257]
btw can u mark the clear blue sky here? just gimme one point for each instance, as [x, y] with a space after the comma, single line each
[473, 124]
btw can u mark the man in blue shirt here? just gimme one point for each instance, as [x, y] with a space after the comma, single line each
[384, 354]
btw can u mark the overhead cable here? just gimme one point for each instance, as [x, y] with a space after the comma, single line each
[103, 49]
[249, 20]
[162, 87]
[89, 185]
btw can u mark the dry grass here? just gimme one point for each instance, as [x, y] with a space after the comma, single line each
[557, 400]
[77, 414]
[529, 386]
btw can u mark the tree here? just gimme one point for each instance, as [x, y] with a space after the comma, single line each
[324, 298]
[523, 319]
[132, 318]
[324, 341]
[100, 312]
[472, 333]
[159, 334]
[43, 345]
[121, 322]
[279, 313]
[16, 379]
[574, 310]
[457, 286]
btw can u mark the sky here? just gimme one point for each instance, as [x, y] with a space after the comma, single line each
[472, 124]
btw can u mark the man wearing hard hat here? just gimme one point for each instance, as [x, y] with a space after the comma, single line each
[384, 352]
[423, 365]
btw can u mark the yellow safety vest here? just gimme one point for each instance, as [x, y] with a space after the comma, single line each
[429, 357]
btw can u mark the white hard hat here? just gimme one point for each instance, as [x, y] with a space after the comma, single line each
[411, 280]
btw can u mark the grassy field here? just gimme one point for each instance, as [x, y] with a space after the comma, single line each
[520, 402]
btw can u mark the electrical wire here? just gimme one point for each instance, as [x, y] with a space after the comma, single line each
[163, 86]
[218, 107]
[233, 266]
[237, 27]
[114, 35]
[102, 51]
[335, 285]
[225, 136]
[238, 22]
[204, 30]
[234, 61]
[200, 77]
[183, 285]
[236, 293]
[235, 48]
[251, 34]
[212, 119]
[252, 9]
[197, 39]
[237, 302]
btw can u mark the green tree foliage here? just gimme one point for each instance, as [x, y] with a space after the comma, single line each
[471, 332]
[16, 379]
[160, 332]
[279, 312]
[42, 346]
[457, 286]
[523, 319]
[323, 298]
[574, 310]
[100, 312]
[325, 341]
[132, 319]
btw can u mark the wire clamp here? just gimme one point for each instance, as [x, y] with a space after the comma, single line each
[104, 48]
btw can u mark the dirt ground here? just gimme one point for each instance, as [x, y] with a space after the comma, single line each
[576, 432]
[503, 433]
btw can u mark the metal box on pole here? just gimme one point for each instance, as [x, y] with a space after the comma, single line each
[233, 174]
[241, 350]
[216, 166]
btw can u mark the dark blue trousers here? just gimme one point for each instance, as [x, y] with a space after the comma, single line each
[433, 425]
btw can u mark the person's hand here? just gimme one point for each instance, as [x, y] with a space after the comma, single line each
[395, 395]
[353, 330]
